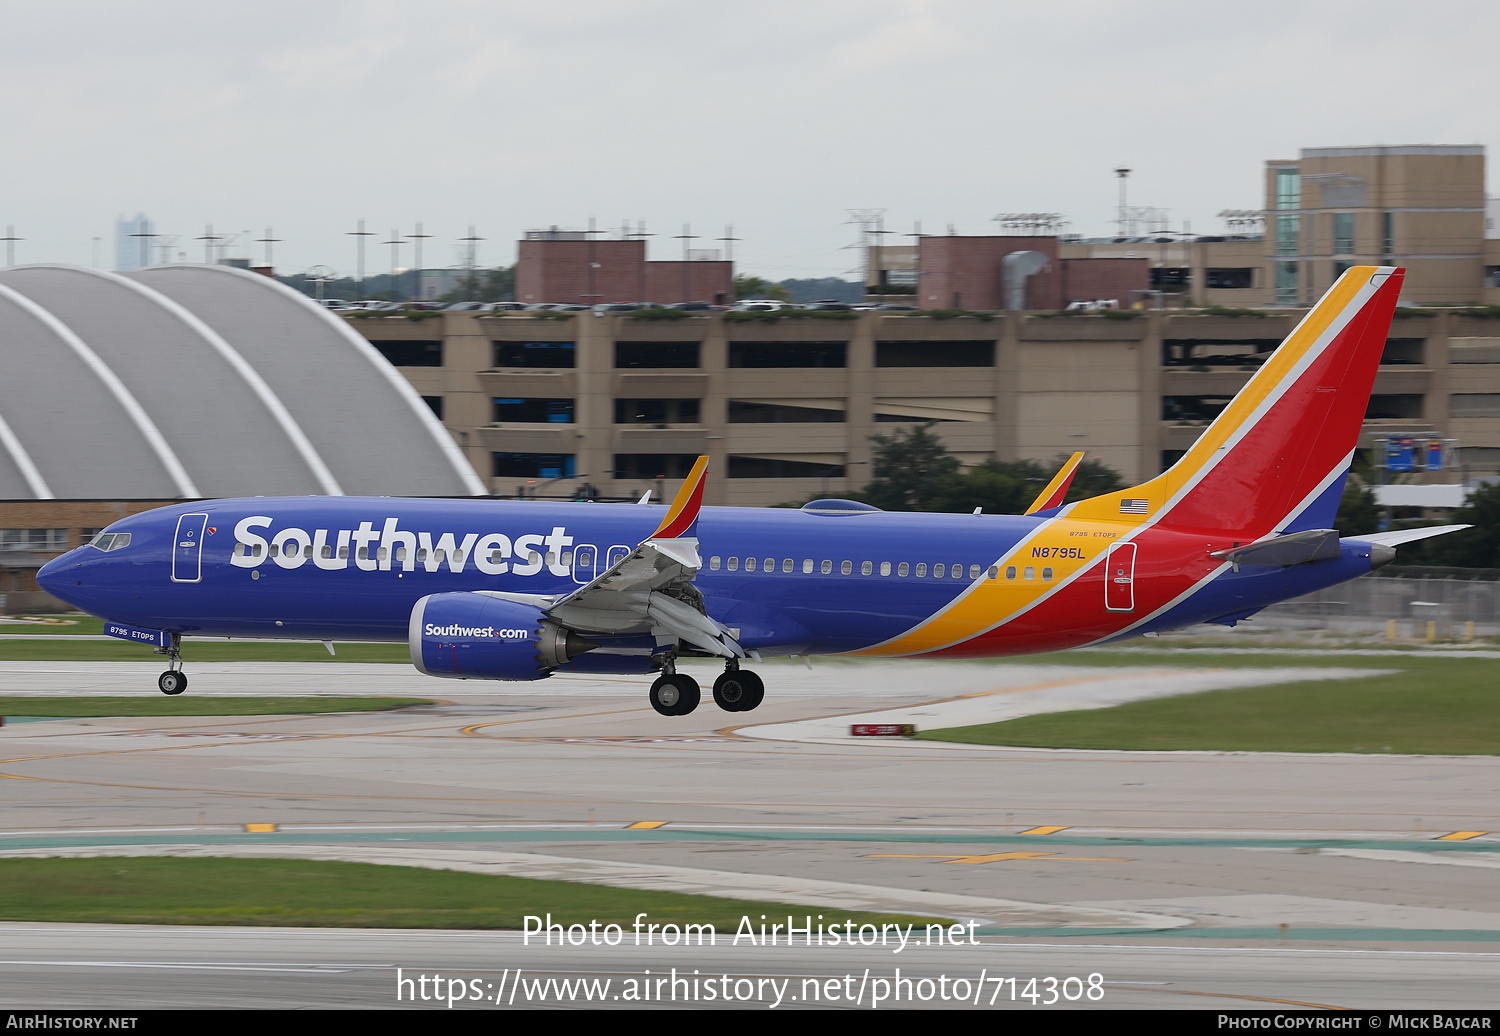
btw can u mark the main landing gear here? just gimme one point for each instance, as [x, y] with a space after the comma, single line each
[174, 680]
[738, 690]
[677, 694]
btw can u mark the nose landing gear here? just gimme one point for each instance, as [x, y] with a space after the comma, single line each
[174, 680]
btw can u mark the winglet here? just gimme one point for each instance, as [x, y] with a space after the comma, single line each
[684, 511]
[1053, 495]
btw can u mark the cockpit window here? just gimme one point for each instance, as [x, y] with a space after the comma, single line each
[108, 541]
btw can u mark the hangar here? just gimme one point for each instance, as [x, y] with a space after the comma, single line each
[191, 381]
[121, 392]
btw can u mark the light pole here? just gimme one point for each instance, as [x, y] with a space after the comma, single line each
[416, 284]
[359, 276]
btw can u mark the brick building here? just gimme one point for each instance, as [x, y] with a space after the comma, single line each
[570, 266]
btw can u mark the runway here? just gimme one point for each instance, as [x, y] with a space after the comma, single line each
[1173, 868]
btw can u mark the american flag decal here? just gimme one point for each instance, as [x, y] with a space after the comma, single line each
[1132, 506]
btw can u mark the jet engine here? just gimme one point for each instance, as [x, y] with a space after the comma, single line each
[473, 636]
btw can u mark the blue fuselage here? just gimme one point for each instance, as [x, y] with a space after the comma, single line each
[788, 581]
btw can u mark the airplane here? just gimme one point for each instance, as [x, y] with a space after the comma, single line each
[520, 590]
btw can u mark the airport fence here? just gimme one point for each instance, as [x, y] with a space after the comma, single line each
[1449, 598]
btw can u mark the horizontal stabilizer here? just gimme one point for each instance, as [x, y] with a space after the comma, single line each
[1296, 549]
[1399, 536]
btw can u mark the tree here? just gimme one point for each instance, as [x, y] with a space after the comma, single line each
[1358, 513]
[910, 466]
[750, 287]
[913, 472]
[496, 285]
[1478, 547]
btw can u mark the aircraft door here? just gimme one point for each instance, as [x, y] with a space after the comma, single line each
[187, 549]
[1119, 578]
[585, 563]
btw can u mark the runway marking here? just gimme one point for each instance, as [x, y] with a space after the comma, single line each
[1044, 830]
[996, 857]
[260, 829]
[471, 730]
[1460, 836]
[646, 825]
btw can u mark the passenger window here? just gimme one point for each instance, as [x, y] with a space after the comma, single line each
[903, 568]
[807, 566]
[921, 570]
[380, 554]
[885, 568]
[307, 551]
[973, 571]
[958, 571]
[551, 557]
[273, 551]
[1010, 571]
[865, 568]
[713, 563]
[496, 557]
[344, 552]
[239, 549]
[994, 571]
[1030, 572]
[458, 558]
[846, 567]
[734, 564]
[826, 567]
[938, 571]
[437, 555]
[401, 552]
[1047, 574]
[770, 565]
[786, 565]
[749, 564]
[363, 555]
[421, 553]
[567, 558]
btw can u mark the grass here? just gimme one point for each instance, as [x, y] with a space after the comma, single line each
[187, 705]
[321, 894]
[1430, 707]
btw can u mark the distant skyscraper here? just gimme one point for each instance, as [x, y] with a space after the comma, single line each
[132, 251]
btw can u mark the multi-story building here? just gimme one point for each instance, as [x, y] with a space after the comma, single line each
[786, 408]
[1421, 207]
[133, 239]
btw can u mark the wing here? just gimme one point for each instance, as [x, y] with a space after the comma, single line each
[650, 590]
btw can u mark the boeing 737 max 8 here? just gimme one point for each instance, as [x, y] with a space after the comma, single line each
[499, 590]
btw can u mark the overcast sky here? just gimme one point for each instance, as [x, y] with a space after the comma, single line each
[775, 117]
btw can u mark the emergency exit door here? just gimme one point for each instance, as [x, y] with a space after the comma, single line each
[1119, 578]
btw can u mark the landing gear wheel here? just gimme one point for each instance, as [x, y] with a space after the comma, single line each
[738, 690]
[173, 681]
[675, 695]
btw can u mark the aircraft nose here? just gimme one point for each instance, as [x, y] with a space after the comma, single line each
[51, 575]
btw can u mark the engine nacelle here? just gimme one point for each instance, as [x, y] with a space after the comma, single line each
[472, 636]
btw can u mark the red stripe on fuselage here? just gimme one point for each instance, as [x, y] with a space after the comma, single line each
[1168, 563]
